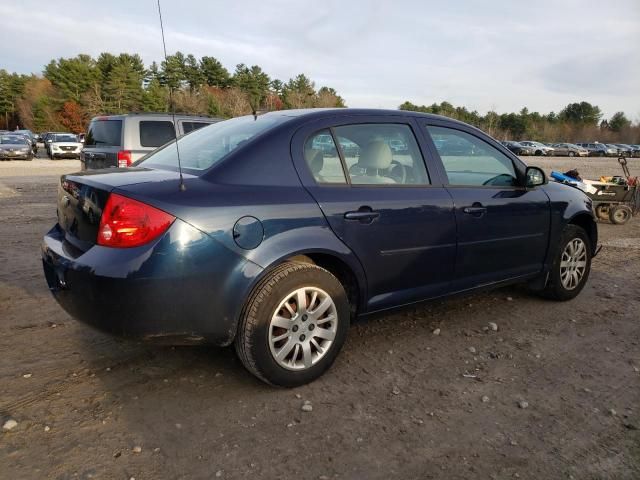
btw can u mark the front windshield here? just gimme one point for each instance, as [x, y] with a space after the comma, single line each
[205, 147]
[12, 140]
[65, 138]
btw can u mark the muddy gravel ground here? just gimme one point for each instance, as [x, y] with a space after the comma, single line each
[400, 401]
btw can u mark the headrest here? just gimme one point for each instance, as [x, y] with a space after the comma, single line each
[376, 154]
[315, 160]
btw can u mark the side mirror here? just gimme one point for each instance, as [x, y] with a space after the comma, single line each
[535, 177]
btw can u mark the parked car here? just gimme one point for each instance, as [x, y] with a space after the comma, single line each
[454, 147]
[44, 136]
[518, 148]
[569, 150]
[539, 148]
[628, 150]
[48, 140]
[597, 149]
[15, 147]
[63, 145]
[32, 138]
[120, 140]
[266, 242]
[618, 149]
[397, 145]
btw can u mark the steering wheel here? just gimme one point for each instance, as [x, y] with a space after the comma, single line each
[495, 180]
[398, 172]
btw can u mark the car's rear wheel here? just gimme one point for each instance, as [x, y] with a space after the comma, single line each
[571, 267]
[293, 325]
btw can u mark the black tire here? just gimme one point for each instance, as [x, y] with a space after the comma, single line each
[572, 154]
[602, 212]
[620, 214]
[252, 338]
[602, 154]
[539, 153]
[555, 290]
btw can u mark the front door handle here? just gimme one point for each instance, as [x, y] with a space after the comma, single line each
[362, 215]
[477, 210]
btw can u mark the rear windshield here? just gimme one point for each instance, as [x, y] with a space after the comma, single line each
[205, 147]
[106, 133]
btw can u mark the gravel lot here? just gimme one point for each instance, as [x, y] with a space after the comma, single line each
[400, 402]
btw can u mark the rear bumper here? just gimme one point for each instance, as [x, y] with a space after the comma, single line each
[183, 288]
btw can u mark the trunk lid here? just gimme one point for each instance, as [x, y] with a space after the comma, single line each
[83, 195]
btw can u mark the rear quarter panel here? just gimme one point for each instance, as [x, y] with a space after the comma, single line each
[258, 181]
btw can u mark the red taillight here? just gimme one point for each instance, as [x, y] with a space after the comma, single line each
[128, 223]
[124, 158]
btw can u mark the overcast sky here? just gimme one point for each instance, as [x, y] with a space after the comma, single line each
[499, 55]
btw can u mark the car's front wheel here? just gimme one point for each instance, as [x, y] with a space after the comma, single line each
[293, 325]
[571, 266]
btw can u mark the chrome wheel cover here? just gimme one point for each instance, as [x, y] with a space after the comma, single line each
[302, 328]
[573, 263]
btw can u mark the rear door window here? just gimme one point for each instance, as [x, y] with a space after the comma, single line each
[322, 157]
[156, 133]
[104, 133]
[381, 154]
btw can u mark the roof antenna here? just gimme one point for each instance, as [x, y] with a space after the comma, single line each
[173, 107]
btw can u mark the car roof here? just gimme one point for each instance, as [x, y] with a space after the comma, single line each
[309, 114]
[153, 114]
[331, 112]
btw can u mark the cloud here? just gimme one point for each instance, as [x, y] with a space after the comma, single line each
[485, 55]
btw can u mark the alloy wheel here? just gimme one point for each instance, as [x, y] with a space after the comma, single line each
[302, 328]
[573, 263]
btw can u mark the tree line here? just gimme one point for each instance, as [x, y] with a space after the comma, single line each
[577, 122]
[72, 90]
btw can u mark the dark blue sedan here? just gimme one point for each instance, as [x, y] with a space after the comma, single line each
[284, 227]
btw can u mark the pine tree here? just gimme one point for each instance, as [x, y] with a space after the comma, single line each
[254, 82]
[214, 73]
[73, 76]
[155, 97]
